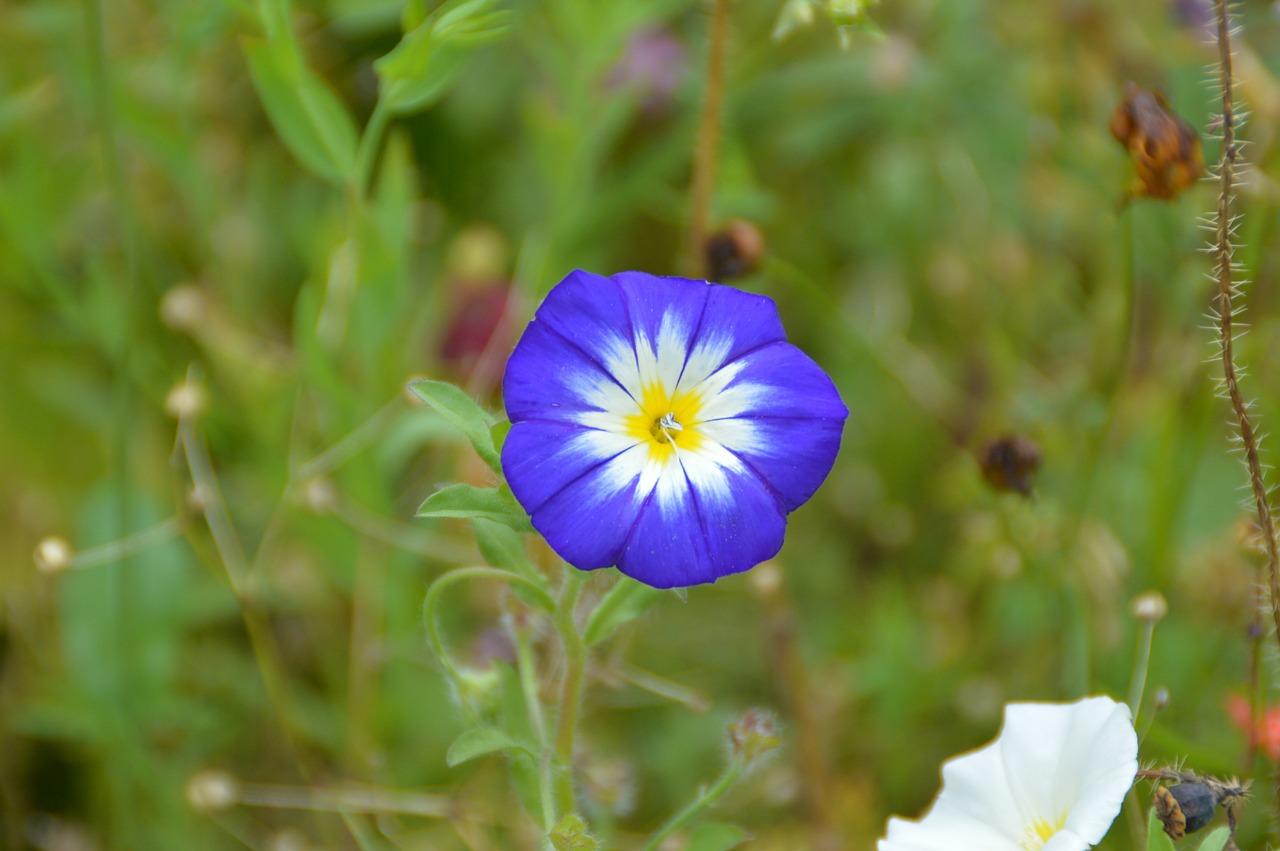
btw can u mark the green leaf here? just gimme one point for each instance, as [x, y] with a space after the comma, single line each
[1157, 839]
[624, 602]
[468, 502]
[422, 66]
[1216, 841]
[717, 837]
[478, 742]
[465, 414]
[309, 117]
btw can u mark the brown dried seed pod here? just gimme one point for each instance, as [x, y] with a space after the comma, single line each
[1010, 463]
[1164, 147]
[733, 251]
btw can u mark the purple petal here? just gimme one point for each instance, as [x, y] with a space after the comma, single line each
[587, 519]
[783, 417]
[570, 357]
[703, 521]
[551, 378]
[543, 458]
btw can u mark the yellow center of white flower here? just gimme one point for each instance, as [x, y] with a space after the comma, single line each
[1040, 831]
[667, 423]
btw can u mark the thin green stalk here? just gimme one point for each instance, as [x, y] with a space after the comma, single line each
[708, 143]
[695, 807]
[1140, 665]
[370, 145]
[128, 546]
[575, 653]
[527, 671]
[1076, 668]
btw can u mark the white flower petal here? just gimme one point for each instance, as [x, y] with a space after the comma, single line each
[1054, 779]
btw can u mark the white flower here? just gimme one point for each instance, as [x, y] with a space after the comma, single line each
[1053, 781]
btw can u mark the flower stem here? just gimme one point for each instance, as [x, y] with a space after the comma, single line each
[1140, 665]
[370, 144]
[708, 144]
[575, 652]
[705, 798]
[1223, 252]
[432, 603]
[529, 688]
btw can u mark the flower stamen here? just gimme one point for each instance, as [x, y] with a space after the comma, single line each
[665, 428]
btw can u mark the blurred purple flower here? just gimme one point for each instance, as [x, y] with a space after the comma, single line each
[653, 64]
[664, 426]
[1197, 16]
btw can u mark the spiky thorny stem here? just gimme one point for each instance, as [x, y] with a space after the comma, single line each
[708, 144]
[1223, 251]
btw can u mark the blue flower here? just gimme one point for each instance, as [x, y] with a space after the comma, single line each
[664, 426]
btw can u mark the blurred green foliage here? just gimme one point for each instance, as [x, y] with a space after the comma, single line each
[294, 209]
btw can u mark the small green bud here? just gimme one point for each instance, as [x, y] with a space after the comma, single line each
[571, 834]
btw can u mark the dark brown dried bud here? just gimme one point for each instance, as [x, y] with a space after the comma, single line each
[1165, 148]
[1184, 808]
[1010, 463]
[734, 250]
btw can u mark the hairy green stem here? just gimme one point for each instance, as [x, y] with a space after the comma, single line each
[694, 808]
[708, 143]
[575, 654]
[1223, 252]
[527, 670]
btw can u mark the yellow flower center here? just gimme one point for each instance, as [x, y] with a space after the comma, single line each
[1040, 831]
[667, 422]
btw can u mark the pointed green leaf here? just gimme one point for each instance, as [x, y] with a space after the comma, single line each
[467, 502]
[309, 117]
[478, 742]
[1216, 841]
[422, 66]
[625, 601]
[464, 413]
[717, 837]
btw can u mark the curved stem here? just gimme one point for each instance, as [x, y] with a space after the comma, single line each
[432, 601]
[695, 807]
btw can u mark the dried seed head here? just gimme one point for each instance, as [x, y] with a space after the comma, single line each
[734, 250]
[766, 580]
[185, 401]
[1164, 147]
[753, 735]
[1010, 463]
[1185, 807]
[53, 555]
[210, 791]
[184, 308]
[1149, 606]
[320, 496]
